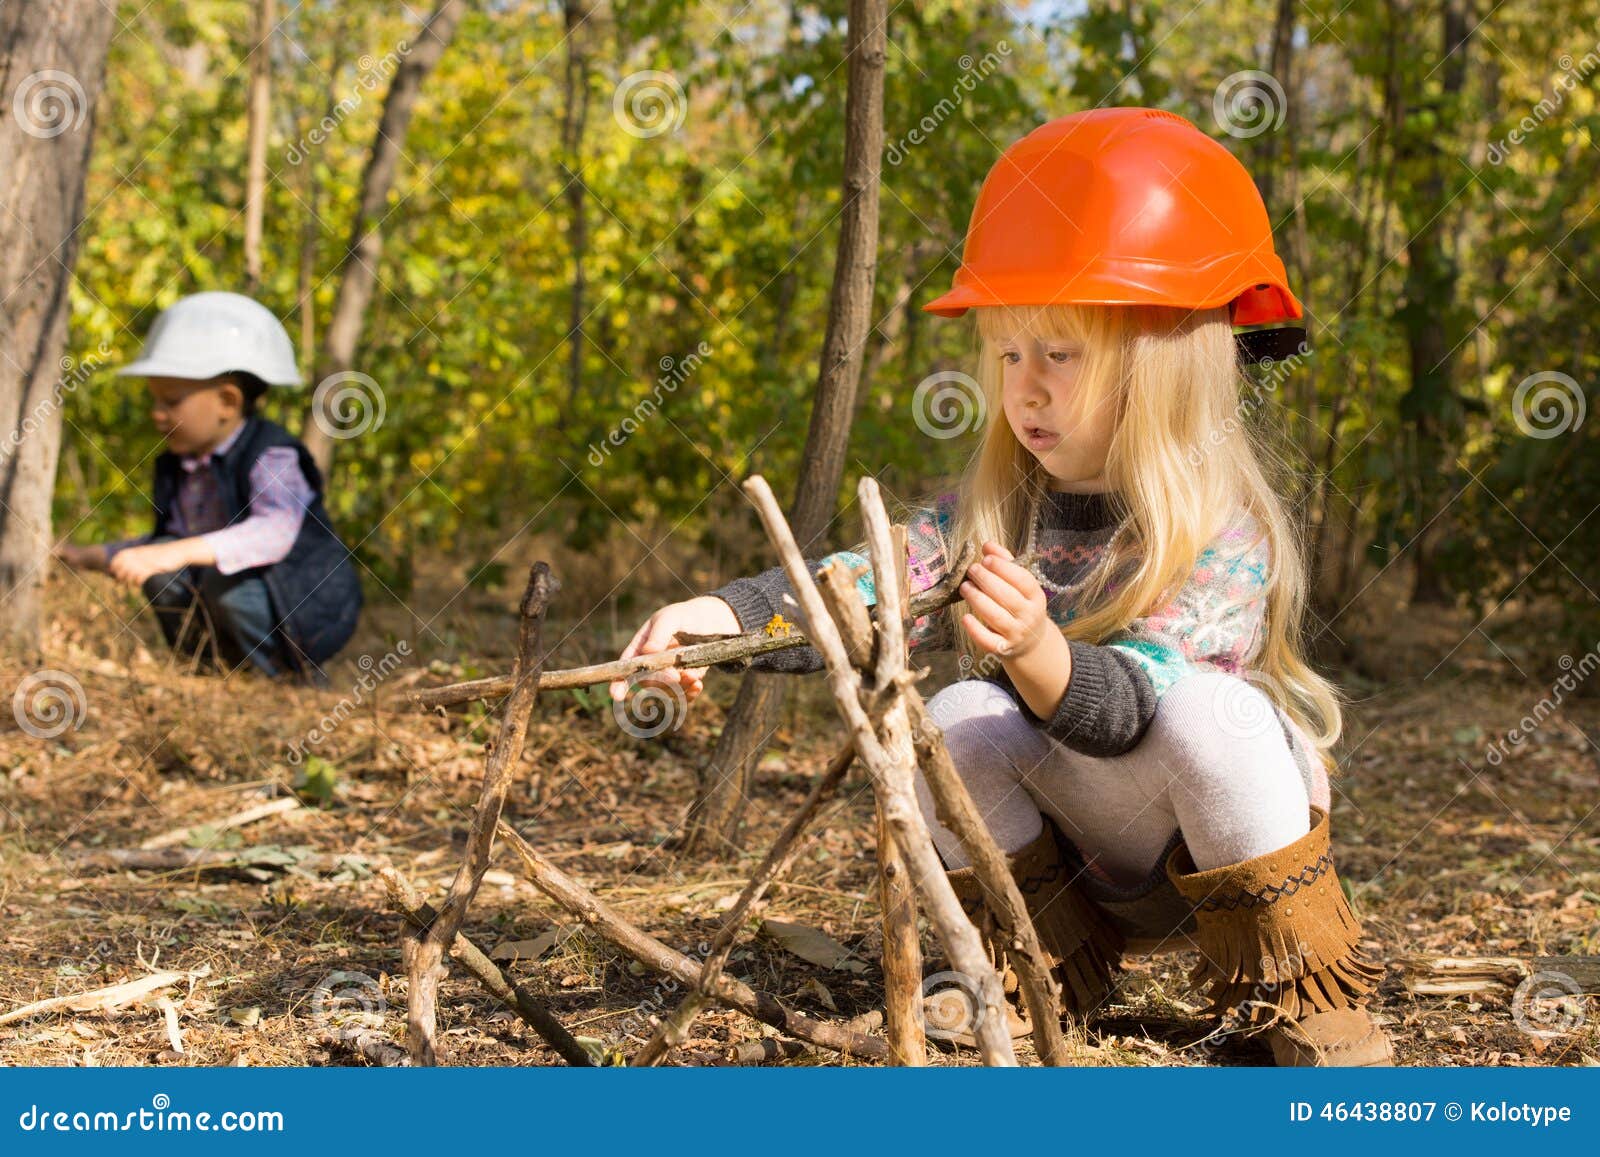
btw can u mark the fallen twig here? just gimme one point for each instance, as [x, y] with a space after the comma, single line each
[250, 815]
[423, 948]
[106, 999]
[409, 902]
[650, 952]
[371, 1043]
[675, 1025]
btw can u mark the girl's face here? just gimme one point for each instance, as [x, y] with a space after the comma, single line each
[194, 416]
[1050, 413]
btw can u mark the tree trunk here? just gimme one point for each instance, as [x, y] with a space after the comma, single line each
[255, 188]
[574, 119]
[52, 68]
[358, 272]
[1429, 316]
[718, 811]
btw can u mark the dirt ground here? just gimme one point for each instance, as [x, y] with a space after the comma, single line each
[1445, 852]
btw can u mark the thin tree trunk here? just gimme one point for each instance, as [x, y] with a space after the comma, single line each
[723, 796]
[574, 119]
[358, 272]
[52, 68]
[255, 189]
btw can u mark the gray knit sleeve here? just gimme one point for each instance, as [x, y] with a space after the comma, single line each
[757, 598]
[1108, 704]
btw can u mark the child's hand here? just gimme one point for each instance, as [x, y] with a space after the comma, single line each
[707, 615]
[1007, 616]
[81, 557]
[137, 563]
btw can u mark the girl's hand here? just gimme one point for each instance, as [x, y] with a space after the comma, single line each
[1007, 614]
[706, 615]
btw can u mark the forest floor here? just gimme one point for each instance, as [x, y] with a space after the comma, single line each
[1445, 853]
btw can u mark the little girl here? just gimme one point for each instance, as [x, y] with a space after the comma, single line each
[1142, 735]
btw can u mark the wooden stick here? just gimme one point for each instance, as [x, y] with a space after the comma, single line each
[897, 901]
[410, 903]
[902, 944]
[891, 770]
[371, 1044]
[215, 859]
[730, 649]
[956, 810]
[105, 999]
[250, 815]
[675, 1025]
[423, 948]
[650, 952]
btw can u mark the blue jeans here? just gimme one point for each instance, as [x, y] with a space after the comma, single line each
[226, 618]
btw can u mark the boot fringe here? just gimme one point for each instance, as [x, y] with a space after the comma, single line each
[1276, 933]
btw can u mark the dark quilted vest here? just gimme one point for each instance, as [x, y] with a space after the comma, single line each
[316, 594]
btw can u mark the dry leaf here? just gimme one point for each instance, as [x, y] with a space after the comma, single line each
[812, 945]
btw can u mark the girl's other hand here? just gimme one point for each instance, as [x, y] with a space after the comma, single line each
[1007, 614]
[706, 615]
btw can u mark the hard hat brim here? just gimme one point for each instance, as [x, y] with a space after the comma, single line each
[199, 370]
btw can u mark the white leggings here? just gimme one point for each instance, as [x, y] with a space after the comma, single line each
[1215, 765]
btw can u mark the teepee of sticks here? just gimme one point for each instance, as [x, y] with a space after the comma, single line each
[889, 731]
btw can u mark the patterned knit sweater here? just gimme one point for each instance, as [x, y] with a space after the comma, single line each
[1215, 621]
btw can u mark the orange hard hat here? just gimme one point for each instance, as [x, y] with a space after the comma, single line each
[1121, 206]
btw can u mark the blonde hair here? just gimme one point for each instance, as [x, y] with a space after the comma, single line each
[1182, 464]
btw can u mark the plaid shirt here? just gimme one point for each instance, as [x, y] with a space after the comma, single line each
[279, 496]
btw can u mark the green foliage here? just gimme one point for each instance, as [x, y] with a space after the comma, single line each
[720, 236]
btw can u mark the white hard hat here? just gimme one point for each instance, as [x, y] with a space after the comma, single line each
[206, 335]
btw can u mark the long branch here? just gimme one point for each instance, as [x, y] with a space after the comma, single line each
[730, 649]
